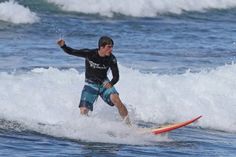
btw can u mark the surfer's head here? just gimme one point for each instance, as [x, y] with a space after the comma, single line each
[105, 45]
[105, 40]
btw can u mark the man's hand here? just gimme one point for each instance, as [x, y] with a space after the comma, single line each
[61, 42]
[107, 85]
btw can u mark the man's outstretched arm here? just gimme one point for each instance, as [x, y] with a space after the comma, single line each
[80, 53]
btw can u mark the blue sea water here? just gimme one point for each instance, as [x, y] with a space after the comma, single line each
[176, 61]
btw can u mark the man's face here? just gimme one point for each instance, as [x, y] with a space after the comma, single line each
[107, 49]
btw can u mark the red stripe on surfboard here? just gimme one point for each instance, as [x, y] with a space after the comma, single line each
[173, 126]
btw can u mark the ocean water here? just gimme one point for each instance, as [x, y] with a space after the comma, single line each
[176, 60]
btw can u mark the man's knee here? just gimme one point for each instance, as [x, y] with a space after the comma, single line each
[116, 99]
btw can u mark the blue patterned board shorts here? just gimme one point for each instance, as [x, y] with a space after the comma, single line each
[90, 93]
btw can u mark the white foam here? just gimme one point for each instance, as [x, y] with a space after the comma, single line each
[166, 98]
[11, 11]
[141, 8]
[51, 96]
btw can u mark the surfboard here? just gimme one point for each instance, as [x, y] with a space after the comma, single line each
[170, 127]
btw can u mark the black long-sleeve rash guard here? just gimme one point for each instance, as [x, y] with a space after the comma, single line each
[95, 65]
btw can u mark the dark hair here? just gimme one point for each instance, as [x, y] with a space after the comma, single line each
[105, 40]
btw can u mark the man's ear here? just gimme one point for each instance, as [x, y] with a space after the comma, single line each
[101, 47]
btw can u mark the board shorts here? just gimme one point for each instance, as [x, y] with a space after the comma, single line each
[90, 93]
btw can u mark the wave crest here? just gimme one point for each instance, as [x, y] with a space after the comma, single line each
[140, 8]
[13, 12]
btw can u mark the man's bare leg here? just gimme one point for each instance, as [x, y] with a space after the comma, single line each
[121, 108]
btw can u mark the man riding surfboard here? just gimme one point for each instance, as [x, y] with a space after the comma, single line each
[97, 63]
